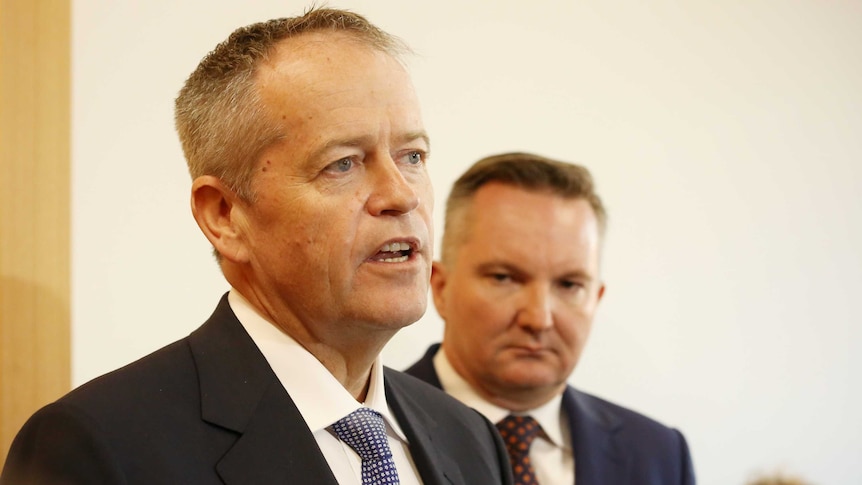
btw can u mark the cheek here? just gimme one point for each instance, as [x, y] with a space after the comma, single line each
[300, 234]
[491, 318]
[305, 236]
[426, 212]
[428, 197]
[574, 332]
[464, 309]
[332, 219]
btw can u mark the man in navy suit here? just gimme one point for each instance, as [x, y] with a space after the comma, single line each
[518, 284]
[307, 152]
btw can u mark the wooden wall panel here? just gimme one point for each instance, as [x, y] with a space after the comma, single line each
[34, 208]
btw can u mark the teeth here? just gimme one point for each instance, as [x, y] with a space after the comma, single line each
[394, 247]
[399, 248]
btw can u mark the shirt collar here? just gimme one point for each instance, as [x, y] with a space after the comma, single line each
[318, 395]
[549, 415]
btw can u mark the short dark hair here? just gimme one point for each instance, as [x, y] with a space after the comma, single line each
[522, 170]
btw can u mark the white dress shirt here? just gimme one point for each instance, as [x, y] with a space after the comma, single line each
[321, 399]
[551, 451]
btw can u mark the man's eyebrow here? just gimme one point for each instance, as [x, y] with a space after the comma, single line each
[578, 274]
[365, 140]
[413, 136]
[339, 142]
[499, 265]
[514, 269]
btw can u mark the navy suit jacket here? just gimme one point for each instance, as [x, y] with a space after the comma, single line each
[612, 445]
[208, 409]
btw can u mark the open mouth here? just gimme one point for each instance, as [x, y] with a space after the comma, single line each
[394, 252]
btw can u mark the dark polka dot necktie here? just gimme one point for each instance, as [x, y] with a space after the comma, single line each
[518, 433]
[365, 432]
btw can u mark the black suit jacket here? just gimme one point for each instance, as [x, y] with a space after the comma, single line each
[208, 409]
[611, 444]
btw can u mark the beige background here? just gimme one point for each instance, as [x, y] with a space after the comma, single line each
[34, 209]
[724, 137]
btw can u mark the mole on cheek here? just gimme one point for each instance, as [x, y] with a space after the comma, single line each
[265, 166]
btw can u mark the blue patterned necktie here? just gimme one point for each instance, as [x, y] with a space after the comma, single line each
[365, 432]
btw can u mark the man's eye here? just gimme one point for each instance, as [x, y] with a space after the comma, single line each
[343, 165]
[414, 158]
[500, 277]
[571, 285]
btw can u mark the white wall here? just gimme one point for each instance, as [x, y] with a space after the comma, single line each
[725, 138]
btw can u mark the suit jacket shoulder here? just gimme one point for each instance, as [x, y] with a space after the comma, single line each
[174, 416]
[611, 444]
[423, 368]
[449, 437]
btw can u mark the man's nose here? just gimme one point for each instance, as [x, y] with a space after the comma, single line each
[536, 313]
[393, 193]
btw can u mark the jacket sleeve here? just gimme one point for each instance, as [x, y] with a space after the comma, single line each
[686, 464]
[60, 445]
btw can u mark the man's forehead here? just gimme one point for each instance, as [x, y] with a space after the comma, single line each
[500, 206]
[328, 66]
[317, 45]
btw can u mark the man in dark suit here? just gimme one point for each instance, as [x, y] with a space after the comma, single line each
[517, 285]
[307, 152]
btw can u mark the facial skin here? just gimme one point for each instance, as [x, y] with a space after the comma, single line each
[312, 252]
[520, 293]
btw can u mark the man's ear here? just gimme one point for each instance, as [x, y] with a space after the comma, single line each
[219, 213]
[438, 285]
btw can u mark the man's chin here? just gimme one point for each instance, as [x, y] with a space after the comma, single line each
[520, 393]
[393, 318]
[525, 380]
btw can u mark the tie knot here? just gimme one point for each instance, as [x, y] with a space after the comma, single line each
[518, 433]
[365, 432]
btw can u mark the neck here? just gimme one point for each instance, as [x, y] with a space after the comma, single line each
[347, 350]
[517, 401]
[351, 368]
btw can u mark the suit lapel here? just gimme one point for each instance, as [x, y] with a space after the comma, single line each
[434, 467]
[275, 447]
[598, 459]
[240, 392]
